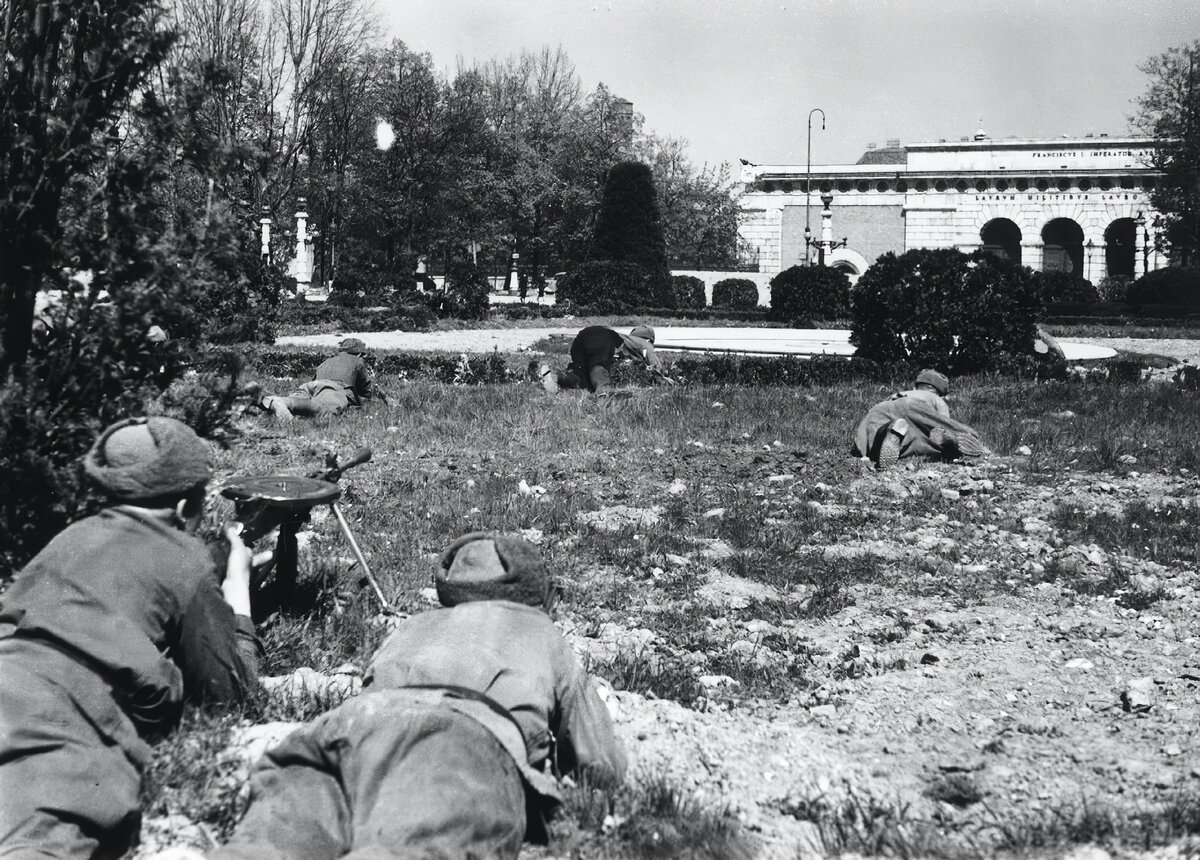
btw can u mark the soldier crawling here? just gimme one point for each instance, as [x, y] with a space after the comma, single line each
[341, 381]
[594, 351]
[915, 424]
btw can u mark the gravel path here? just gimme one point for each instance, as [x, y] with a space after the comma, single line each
[513, 340]
[1180, 350]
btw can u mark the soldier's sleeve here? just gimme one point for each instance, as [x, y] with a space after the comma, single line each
[218, 651]
[586, 740]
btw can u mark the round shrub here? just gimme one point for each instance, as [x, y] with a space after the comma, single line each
[1065, 287]
[609, 284]
[689, 291]
[1174, 285]
[740, 294]
[943, 308]
[805, 293]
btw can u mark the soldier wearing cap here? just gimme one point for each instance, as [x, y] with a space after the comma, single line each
[917, 424]
[104, 635]
[446, 752]
[341, 381]
[594, 351]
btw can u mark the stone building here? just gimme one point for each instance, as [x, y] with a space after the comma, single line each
[1077, 205]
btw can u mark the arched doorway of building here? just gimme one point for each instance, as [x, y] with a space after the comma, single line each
[1002, 237]
[849, 269]
[1120, 252]
[1062, 246]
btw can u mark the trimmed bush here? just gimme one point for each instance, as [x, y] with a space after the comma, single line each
[1065, 288]
[1174, 285]
[689, 291]
[629, 228]
[802, 294]
[736, 293]
[605, 284]
[942, 308]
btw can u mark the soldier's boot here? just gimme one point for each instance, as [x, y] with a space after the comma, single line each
[549, 378]
[889, 448]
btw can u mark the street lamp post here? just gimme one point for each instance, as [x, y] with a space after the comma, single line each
[826, 242]
[808, 182]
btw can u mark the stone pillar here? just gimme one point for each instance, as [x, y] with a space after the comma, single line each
[826, 229]
[1140, 236]
[265, 229]
[301, 268]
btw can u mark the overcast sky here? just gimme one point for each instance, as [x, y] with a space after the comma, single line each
[737, 78]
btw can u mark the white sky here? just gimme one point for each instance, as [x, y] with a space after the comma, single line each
[737, 78]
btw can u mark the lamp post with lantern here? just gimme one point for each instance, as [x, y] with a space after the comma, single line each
[826, 242]
[808, 185]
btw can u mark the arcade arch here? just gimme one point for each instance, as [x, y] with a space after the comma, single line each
[1120, 248]
[1002, 237]
[1062, 246]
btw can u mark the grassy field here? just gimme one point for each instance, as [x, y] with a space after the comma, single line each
[687, 520]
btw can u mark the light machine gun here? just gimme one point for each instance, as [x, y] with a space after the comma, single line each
[263, 503]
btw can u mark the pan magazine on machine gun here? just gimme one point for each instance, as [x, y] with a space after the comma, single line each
[263, 503]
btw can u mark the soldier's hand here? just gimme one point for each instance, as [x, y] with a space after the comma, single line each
[236, 585]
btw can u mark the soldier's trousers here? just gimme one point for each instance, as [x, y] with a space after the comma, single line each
[383, 776]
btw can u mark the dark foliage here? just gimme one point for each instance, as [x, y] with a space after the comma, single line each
[1114, 288]
[1065, 287]
[1174, 285]
[1169, 111]
[629, 228]
[606, 284]
[66, 74]
[802, 294]
[736, 293]
[943, 308]
[689, 291]
[467, 291]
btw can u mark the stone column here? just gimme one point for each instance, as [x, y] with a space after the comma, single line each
[302, 265]
[1139, 250]
[826, 228]
[265, 227]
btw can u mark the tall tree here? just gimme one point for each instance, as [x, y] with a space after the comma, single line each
[66, 72]
[699, 206]
[532, 99]
[1170, 111]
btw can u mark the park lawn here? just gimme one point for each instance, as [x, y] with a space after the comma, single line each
[635, 503]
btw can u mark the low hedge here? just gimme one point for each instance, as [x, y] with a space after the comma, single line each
[787, 370]
[1113, 313]
[480, 369]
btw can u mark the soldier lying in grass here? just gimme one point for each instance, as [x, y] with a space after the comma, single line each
[915, 424]
[341, 381]
[445, 752]
[594, 351]
[103, 636]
